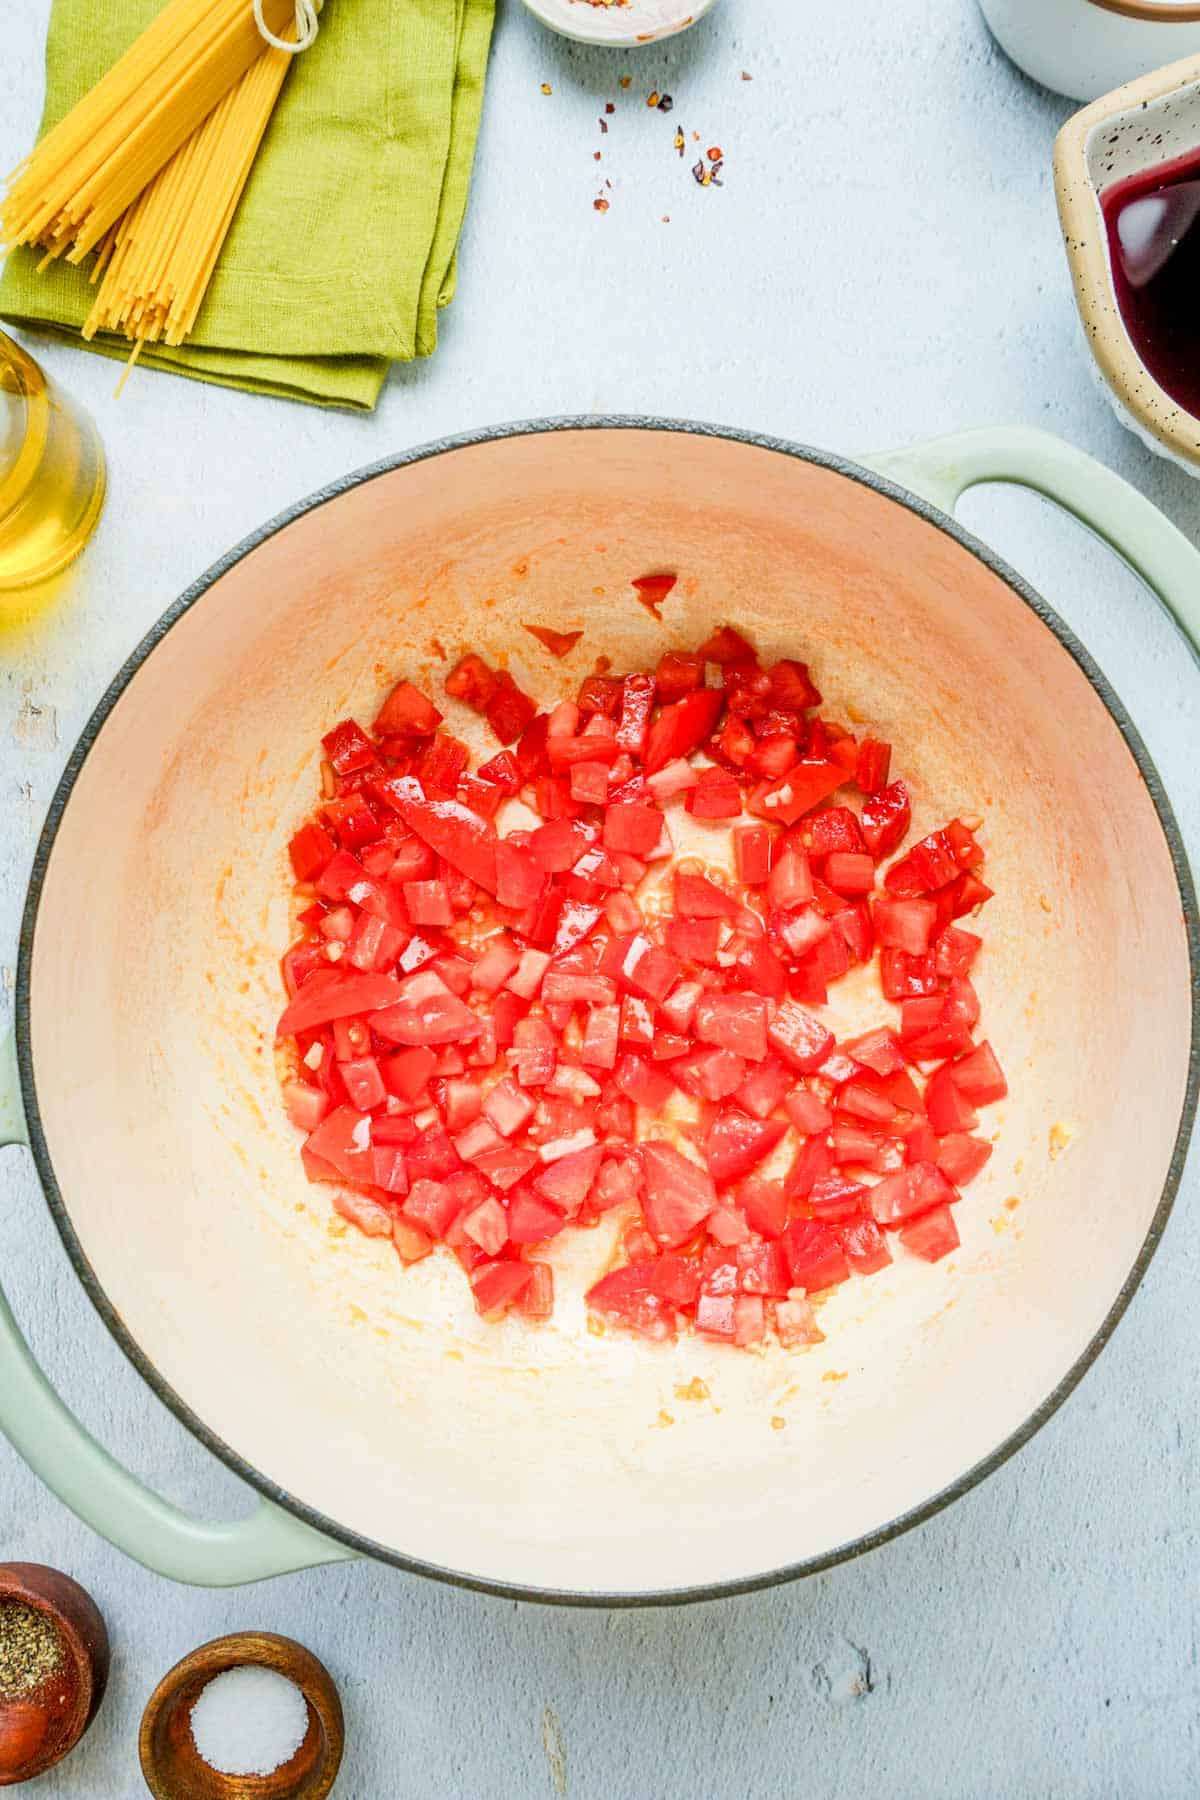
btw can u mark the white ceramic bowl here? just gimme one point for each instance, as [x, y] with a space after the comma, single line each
[370, 1400]
[1084, 47]
[619, 27]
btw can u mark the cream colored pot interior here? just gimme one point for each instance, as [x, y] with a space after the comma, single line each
[553, 1457]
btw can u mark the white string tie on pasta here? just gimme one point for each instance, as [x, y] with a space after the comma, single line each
[307, 27]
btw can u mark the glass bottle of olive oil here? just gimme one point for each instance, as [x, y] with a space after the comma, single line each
[51, 473]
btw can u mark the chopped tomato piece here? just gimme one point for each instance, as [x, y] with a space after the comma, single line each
[407, 712]
[814, 1254]
[679, 1195]
[932, 1236]
[735, 1143]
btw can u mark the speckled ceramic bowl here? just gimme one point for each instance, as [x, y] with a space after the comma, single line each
[1144, 125]
[619, 26]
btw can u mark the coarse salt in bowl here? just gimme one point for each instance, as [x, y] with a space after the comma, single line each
[619, 23]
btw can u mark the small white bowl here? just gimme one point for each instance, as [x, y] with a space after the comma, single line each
[619, 27]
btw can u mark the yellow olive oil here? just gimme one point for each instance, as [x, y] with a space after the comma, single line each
[51, 473]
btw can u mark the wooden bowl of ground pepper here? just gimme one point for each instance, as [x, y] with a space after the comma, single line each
[53, 1668]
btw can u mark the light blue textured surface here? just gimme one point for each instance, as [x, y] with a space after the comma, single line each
[882, 265]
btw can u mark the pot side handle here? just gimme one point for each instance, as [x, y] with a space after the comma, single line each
[107, 1497]
[943, 470]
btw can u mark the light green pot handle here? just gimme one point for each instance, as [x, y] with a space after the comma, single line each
[106, 1496]
[942, 471]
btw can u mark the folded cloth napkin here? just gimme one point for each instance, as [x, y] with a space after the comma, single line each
[343, 247]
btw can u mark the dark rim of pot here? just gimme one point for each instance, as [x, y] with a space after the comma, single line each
[330, 1528]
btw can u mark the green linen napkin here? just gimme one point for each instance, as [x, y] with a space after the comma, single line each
[343, 248]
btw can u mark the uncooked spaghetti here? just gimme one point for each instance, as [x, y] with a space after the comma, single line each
[76, 183]
[155, 264]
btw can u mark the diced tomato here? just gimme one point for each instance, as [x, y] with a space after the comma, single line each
[752, 850]
[979, 1077]
[735, 1143]
[945, 1106]
[642, 1083]
[715, 796]
[871, 769]
[696, 897]
[407, 712]
[726, 646]
[799, 1038]
[509, 712]
[811, 1162]
[681, 728]
[865, 1245]
[532, 1219]
[960, 1157]
[677, 674]
[498, 1285]
[932, 1236]
[364, 1084]
[633, 829]
[310, 850]
[886, 817]
[372, 1218]
[765, 1086]
[814, 1255]
[736, 1022]
[679, 1195]
[908, 1192]
[628, 1296]
[765, 1205]
[850, 873]
[306, 1106]
[434, 946]
[328, 994]
[797, 792]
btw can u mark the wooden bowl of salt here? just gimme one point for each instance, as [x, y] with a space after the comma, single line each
[252, 1716]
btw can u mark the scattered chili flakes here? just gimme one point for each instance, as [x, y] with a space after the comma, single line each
[610, 106]
[703, 178]
[558, 643]
[604, 125]
[652, 590]
[595, 156]
[625, 80]
[716, 154]
[746, 77]
[546, 88]
[600, 204]
[653, 97]
[680, 142]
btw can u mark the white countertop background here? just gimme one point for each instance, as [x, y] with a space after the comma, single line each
[883, 264]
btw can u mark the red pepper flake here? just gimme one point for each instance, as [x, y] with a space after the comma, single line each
[703, 178]
[652, 590]
[601, 205]
[625, 80]
[715, 155]
[665, 103]
[546, 88]
[609, 106]
[680, 142]
[604, 125]
[558, 643]
[595, 156]
[652, 98]
[746, 77]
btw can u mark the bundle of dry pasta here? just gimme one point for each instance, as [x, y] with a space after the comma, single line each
[148, 168]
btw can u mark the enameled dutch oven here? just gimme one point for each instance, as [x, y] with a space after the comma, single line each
[367, 1404]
